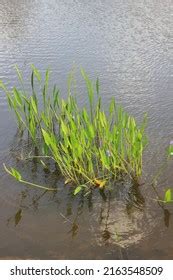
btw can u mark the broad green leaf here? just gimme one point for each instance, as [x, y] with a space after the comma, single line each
[64, 128]
[34, 105]
[17, 96]
[112, 106]
[77, 190]
[168, 196]
[47, 137]
[36, 72]
[13, 172]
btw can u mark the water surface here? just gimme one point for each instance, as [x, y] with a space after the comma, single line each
[127, 44]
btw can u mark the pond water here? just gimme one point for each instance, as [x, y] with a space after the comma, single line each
[127, 44]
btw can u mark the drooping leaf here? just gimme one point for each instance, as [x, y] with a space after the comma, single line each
[16, 174]
[13, 172]
[36, 72]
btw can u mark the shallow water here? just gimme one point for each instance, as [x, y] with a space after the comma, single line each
[127, 44]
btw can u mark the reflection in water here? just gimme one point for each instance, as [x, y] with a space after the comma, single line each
[106, 217]
[115, 217]
[16, 218]
[75, 207]
[167, 215]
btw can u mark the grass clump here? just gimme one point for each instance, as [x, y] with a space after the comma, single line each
[89, 147]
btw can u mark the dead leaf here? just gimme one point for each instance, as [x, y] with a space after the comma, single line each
[99, 183]
[67, 181]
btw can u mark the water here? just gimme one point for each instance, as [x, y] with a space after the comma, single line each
[127, 44]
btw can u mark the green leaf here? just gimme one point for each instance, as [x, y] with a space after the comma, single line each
[97, 86]
[47, 137]
[34, 105]
[55, 96]
[170, 150]
[19, 74]
[36, 73]
[64, 128]
[17, 96]
[168, 196]
[16, 174]
[47, 79]
[112, 106]
[104, 158]
[77, 190]
[13, 172]
[3, 86]
[45, 120]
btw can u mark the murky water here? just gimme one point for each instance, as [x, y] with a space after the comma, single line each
[127, 44]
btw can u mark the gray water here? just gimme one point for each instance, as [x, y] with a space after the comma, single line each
[127, 44]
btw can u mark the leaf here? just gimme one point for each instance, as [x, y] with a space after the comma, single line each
[3, 86]
[55, 96]
[99, 183]
[32, 80]
[77, 190]
[97, 86]
[17, 96]
[104, 158]
[47, 78]
[168, 196]
[68, 180]
[45, 120]
[32, 127]
[36, 72]
[19, 74]
[7, 170]
[47, 137]
[34, 105]
[170, 150]
[13, 172]
[44, 165]
[64, 128]
[91, 131]
[102, 184]
[112, 106]
[16, 174]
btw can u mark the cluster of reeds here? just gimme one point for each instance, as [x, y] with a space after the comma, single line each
[89, 146]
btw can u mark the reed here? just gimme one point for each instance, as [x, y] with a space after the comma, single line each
[90, 147]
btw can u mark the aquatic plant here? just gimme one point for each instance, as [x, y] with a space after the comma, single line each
[168, 193]
[168, 196]
[89, 146]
